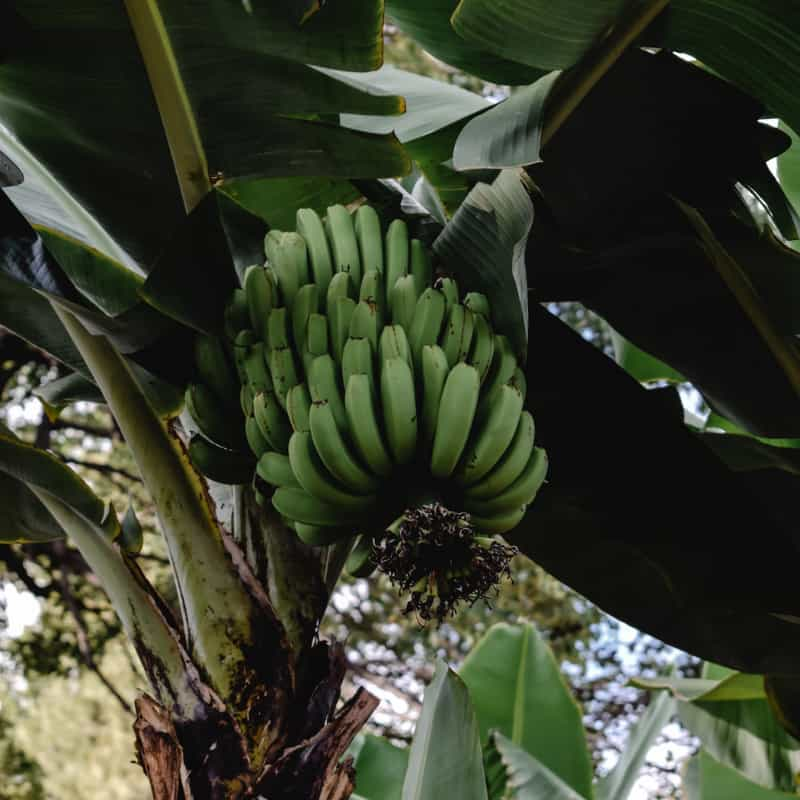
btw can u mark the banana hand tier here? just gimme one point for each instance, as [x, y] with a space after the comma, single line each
[375, 402]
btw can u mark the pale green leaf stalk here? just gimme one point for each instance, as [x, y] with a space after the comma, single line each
[174, 677]
[225, 625]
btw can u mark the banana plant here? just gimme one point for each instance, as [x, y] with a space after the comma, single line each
[506, 727]
[149, 150]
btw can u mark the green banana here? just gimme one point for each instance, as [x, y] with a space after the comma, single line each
[278, 334]
[501, 523]
[519, 380]
[511, 464]
[299, 505]
[482, 347]
[358, 359]
[215, 423]
[317, 335]
[373, 293]
[397, 247]
[420, 265]
[342, 237]
[399, 409]
[258, 444]
[319, 535]
[335, 452]
[241, 349]
[427, 323]
[258, 377]
[275, 469]
[454, 421]
[298, 404]
[494, 430]
[339, 315]
[364, 424]
[370, 240]
[520, 493]
[236, 315]
[403, 301]
[364, 323]
[218, 463]
[312, 475]
[288, 257]
[215, 371]
[309, 226]
[434, 374]
[271, 421]
[477, 303]
[246, 399]
[449, 288]
[306, 303]
[453, 333]
[261, 299]
[323, 384]
[341, 285]
[284, 372]
[394, 344]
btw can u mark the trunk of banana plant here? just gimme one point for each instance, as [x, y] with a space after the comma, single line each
[278, 731]
[245, 698]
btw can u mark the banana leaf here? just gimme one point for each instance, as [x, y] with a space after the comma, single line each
[22, 517]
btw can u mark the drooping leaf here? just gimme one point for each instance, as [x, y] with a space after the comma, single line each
[38, 468]
[380, 769]
[555, 36]
[641, 365]
[644, 527]
[731, 686]
[746, 453]
[526, 777]
[428, 22]
[62, 392]
[484, 246]
[735, 723]
[22, 517]
[445, 756]
[705, 778]
[430, 104]
[517, 688]
[507, 135]
[619, 783]
[789, 171]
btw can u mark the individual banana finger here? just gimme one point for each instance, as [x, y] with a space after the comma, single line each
[320, 535]
[299, 505]
[481, 350]
[520, 493]
[398, 402]
[340, 313]
[498, 524]
[358, 359]
[457, 408]
[298, 404]
[342, 237]
[324, 387]
[420, 266]
[271, 421]
[364, 424]
[449, 288]
[260, 293]
[306, 303]
[288, 257]
[275, 469]
[394, 344]
[397, 252]
[258, 444]
[434, 374]
[335, 453]
[427, 323]
[214, 369]
[236, 316]
[309, 226]
[370, 239]
[284, 372]
[317, 335]
[403, 301]
[312, 475]
[478, 303]
[364, 323]
[510, 465]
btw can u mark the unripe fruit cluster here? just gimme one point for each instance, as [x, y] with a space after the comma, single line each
[369, 391]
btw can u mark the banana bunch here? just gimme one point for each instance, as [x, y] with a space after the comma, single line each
[365, 388]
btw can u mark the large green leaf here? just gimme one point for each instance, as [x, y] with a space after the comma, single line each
[380, 769]
[641, 365]
[517, 688]
[644, 526]
[789, 170]
[445, 757]
[428, 22]
[735, 723]
[508, 134]
[706, 779]
[555, 35]
[22, 517]
[484, 247]
[526, 777]
[619, 783]
[42, 470]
